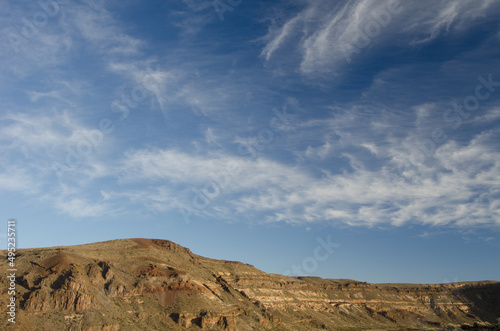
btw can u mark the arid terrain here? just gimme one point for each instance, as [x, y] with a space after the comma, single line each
[147, 284]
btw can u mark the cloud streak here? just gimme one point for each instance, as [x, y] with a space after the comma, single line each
[457, 193]
[327, 35]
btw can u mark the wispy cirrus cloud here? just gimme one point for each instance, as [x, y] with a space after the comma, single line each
[326, 35]
[335, 166]
[446, 17]
[459, 187]
[101, 30]
[32, 143]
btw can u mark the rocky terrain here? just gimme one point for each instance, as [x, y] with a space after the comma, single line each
[147, 284]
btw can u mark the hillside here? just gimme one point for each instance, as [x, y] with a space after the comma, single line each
[147, 284]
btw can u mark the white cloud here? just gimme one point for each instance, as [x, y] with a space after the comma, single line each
[147, 79]
[326, 36]
[196, 16]
[490, 116]
[20, 180]
[277, 36]
[211, 137]
[320, 152]
[32, 142]
[463, 190]
[80, 208]
[446, 16]
[31, 131]
[100, 29]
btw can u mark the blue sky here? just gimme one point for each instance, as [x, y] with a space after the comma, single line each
[342, 139]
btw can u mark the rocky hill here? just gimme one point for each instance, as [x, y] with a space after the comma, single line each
[147, 284]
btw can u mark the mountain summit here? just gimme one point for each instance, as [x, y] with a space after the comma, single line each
[149, 284]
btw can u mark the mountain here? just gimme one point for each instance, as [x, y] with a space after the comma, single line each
[148, 284]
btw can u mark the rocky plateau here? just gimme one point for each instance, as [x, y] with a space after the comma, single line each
[149, 284]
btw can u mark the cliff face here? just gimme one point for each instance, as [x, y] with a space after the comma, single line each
[142, 284]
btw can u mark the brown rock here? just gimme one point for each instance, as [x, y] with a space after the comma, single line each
[147, 284]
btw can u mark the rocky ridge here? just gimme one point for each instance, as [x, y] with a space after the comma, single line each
[139, 284]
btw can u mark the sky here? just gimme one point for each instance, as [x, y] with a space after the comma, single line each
[339, 139]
